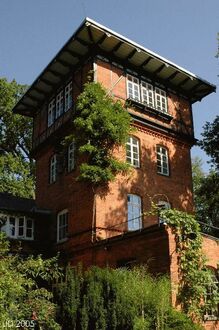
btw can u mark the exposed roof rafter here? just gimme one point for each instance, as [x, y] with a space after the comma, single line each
[159, 69]
[86, 42]
[173, 75]
[131, 54]
[146, 61]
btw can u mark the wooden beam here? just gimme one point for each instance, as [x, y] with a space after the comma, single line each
[47, 82]
[64, 63]
[159, 69]
[117, 46]
[183, 82]
[41, 91]
[102, 39]
[90, 34]
[56, 73]
[34, 98]
[131, 54]
[146, 61]
[173, 75]
[73, 53]
[196, 86]
[83, 42]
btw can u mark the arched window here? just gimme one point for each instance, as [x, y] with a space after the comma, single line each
[134, 212]
[132, 151]
[162, 160]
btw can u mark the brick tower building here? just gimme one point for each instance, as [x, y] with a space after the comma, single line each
[108, 228]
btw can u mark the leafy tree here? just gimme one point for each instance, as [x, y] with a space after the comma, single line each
[206, 196]
[210, 141]
[20, 293]
[15, 176]
[15, 143]
[118, 299]
[100, 126]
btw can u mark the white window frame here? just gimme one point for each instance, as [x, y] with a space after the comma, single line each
[51, 112]
[133, 89]
[134, 212]
[71, 156]
[16, 227]
[162, 205]
[62, 228]
[53, 169]
[147, 94]
[162, 160]
[161, 100]
[133, 151]
[59, 104]
[68, 96]
[211, 314]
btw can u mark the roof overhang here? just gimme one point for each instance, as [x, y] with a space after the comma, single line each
[91, 39]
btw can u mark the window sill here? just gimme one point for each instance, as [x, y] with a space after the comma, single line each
[212, 318]
[151, 111]
[63, 240]
[21, 239]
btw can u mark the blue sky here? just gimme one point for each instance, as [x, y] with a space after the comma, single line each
[185, 32]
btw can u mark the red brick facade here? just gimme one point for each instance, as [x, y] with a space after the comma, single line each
[97, 220]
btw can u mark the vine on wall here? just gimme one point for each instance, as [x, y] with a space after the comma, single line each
[195, 277]
[100, 125]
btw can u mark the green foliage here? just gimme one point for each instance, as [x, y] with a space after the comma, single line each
[100, 126]
[20, 293]
[15, 176]
[210, 141]
[206, 196]
[195, 277]
[15, 143]
[118, 299]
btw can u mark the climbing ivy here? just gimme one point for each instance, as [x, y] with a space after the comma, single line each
[100, 125]
[195, 277]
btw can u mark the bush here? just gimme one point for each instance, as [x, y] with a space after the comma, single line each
[108, 299]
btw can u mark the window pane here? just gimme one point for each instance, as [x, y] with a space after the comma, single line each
[162, 161]
[134, 212]
[29, 228]
[11, 227]
[132, 151]
[62, 226]
[71, 156]
[161, 99]
[133, 88]
[68, 96]
[21, 227]
[53, 168]
[51, 112]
